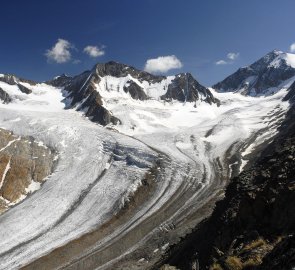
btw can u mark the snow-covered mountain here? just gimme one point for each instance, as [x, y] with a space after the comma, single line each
[264, 77]
[118, 196]
[91, 90]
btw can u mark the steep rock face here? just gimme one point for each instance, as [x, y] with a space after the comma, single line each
[4, 96]
[60, 81]
[135, 91]
[82, 95]
[185, 88]
[118, 70]
[291, 94]
[9, 79]
[24, 89]
[24, 165]
[13, 80]
[262, 77]
[252, 227]
[84, 92]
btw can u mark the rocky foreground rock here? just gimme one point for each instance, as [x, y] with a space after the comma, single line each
[24, 165]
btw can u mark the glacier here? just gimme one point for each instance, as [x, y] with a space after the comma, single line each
[181, 155]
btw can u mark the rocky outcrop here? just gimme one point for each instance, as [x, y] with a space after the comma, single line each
[185, 88]
[24, 165]
[82, 95]
[117, 70]
[281, 257]
[291, 94]
[60, 81]
[256, 79]
[4, 96]
[13, 80]
[135, 91]
[24, 89]
[254, 225]
[9, 79]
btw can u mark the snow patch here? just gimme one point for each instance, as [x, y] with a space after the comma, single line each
[33, 187]
[4, 173]
[164, 247]
[9, 144]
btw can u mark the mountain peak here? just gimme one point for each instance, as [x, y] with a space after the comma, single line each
[276, 52]
[110, 63]
[263, 77]
[90, 90]
[115, 69]
[61, 76]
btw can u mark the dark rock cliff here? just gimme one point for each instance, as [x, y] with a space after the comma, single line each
[13, 80]
[185, 88]
[4, 96]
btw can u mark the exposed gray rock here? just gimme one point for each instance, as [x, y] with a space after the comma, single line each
[82, 95]
[9, 79]
[291, 94]
[4, 96]
[24, 89]
[185, 88]
[60, 81]
[135, 91]
[13, 80]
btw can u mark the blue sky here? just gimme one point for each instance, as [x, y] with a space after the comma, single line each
[197, 33]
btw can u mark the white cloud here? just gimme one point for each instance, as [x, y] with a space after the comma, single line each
[221, 62]
[60, 52]
[162, 64]
[233, 56]
[76, 61]
[94, 51]
[292, 48]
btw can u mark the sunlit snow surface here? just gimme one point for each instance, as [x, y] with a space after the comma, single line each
[91, 183]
